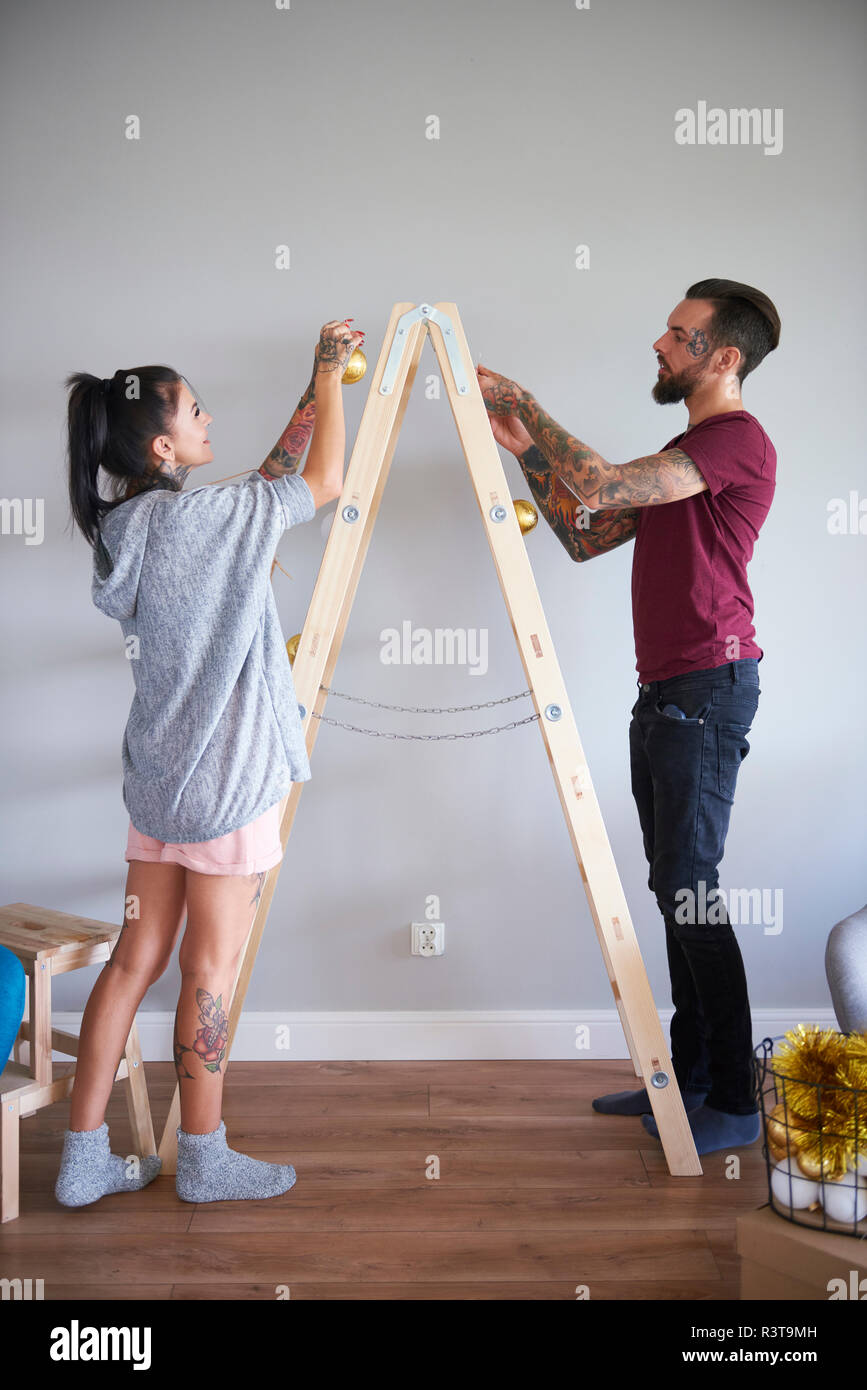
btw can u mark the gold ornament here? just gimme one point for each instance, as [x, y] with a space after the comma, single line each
[814, 1167]
[827, 1151]
[778, 1138]
[777, 1130]
[526, 514]
[784, 1130]
[355, 368]
[292, 648]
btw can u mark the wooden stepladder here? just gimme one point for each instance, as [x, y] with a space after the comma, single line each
[319, 648]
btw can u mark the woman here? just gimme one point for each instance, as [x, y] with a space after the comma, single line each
[213, 741]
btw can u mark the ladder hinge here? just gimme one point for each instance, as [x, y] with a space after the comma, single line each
[404, 323]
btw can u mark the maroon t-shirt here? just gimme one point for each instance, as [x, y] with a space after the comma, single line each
[690, 596]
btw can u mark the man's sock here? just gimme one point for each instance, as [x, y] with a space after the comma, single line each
[716, 1129]
[88, 1168]
[209, 1171]
[638, 1102]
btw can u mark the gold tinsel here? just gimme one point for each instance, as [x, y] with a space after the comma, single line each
[823, 1116]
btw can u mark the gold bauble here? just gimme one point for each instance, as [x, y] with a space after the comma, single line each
[785, 1130]
[812, 1167]
[355, 368]
[292, 647]
[776, 1154]
[826, 1152]
[778, 1137]
[526, 514]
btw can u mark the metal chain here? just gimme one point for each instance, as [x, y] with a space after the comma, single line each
[421, 709]
[424, 738]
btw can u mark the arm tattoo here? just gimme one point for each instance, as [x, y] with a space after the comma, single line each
[289, 450]
[580, 467]
[332, 355]
[646, 482]
[504, 396]
[665, 477]
[583, 535]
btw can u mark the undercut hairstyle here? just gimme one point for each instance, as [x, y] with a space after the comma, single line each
[742, 317]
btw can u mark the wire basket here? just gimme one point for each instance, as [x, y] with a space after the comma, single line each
[820, 1204]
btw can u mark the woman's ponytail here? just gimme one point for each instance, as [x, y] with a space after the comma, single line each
[88, 445]
[112, 423]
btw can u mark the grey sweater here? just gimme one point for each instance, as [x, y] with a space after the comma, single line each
[214, 735]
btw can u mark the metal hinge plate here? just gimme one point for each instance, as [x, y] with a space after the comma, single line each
[431, 315]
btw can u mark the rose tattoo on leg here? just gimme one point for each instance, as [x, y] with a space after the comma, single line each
[212, 1037]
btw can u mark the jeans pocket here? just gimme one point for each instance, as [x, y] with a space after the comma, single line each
[732, 747]
[687, 709]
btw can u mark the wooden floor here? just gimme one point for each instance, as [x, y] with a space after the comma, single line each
[537, 1194]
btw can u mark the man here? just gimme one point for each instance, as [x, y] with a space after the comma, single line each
[695, 510]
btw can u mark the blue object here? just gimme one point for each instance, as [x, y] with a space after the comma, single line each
[715, 1129]
[12, 996]
[673, 711]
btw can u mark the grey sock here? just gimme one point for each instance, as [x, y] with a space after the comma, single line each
[88, 1168]
[638, 1102]
[209, 1171]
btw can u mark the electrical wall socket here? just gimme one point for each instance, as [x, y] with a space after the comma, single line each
[428, 938]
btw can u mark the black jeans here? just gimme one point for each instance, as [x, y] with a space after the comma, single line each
[684, 772]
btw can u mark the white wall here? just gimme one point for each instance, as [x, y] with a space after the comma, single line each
[307, 126]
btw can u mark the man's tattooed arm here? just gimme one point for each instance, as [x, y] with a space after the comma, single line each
[665, 477]
[650, 481]
[564, 512]
[289, 450]
[644, 482]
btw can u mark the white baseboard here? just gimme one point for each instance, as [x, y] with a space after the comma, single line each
[431, 1035]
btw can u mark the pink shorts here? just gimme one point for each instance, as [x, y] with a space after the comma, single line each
[249, 850]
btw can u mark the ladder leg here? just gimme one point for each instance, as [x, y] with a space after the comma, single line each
[138, 1105]
[627, 1031]
[615, 990]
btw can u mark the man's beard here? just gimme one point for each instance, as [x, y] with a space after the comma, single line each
[669, 388]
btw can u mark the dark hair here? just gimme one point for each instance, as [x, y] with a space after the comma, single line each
[742, 317]
[111, 427]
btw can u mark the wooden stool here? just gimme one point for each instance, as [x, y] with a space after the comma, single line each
[51, 943]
